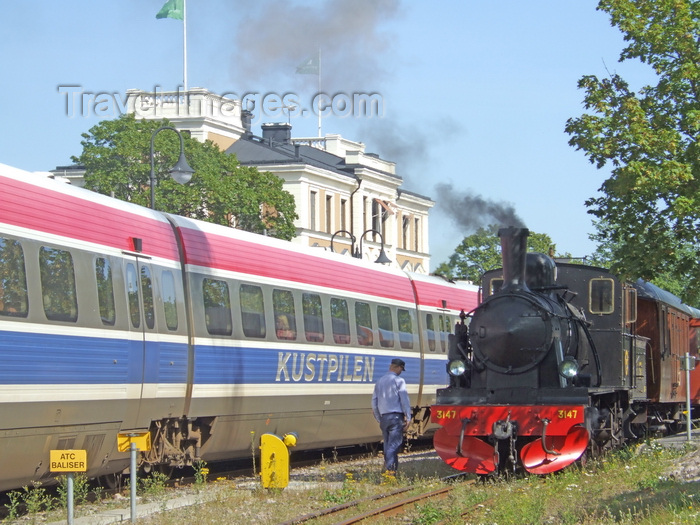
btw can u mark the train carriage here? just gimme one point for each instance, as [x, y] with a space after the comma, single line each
[116, 318]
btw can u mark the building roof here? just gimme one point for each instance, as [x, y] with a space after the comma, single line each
[259, 151]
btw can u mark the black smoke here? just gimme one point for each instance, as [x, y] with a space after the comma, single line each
[470, 212]
[272, 37]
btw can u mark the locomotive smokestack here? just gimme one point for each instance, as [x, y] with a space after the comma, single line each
[513, 251]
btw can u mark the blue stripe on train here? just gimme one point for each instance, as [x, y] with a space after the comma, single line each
[28, 358]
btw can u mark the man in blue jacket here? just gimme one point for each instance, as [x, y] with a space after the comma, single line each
[392, 409]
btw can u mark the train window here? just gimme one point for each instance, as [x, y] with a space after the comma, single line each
[132, 290]
[313, 317]
[386, 327]
[340, 320]
[444, 330]
[252, 310]
[631, 306]
[58, 284]
[217, 307]
[285, 315]
[13, 279]
[601, 299]
[169, 300]
[105, 291]
[430, 327]
[147, 290]
[363, 321]
[405, 320]
[495, 285]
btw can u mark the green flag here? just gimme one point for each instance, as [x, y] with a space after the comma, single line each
[172, 9]
[309, 66]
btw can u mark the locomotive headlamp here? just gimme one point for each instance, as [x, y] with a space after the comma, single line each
[456, 368]
[568, 368]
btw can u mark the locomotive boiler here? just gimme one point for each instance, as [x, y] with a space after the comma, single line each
[558, 360]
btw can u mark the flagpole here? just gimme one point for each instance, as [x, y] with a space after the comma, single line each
[319, 92]
[184, 44]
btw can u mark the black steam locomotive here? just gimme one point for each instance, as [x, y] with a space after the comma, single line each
[559, 359]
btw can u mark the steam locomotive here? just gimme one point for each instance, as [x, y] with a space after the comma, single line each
[560, 361]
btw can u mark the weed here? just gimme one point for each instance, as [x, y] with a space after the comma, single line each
[13, 508]
[201, 471]
[154, 484]
[429, 513]
[36, 499]
[81, 490]
[346, 493]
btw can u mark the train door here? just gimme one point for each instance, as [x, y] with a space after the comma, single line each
[139, 290]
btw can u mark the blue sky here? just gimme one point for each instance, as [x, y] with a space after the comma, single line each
[475, 94]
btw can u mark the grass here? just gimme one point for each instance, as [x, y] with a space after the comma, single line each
[631, 486]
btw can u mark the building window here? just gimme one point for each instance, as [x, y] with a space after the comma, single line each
[329, 213]
[405, 227]
[343, 214]
[376, 218]
[364, 213]
[416, 235]
[312, 210]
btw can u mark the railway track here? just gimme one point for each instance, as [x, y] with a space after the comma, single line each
[387, 510]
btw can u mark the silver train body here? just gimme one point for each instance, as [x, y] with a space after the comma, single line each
[118, 319]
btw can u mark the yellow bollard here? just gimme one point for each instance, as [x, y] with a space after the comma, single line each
[274, 460]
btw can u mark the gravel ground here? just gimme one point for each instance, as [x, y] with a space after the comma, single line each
[331, 475]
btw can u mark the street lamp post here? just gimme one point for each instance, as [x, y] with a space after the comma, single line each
[181, 172]
[352, 241]
[382, 259]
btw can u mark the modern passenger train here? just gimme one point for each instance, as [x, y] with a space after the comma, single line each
[117, 319]
[561, 360]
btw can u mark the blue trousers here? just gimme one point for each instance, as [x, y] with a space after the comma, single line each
[392, 430]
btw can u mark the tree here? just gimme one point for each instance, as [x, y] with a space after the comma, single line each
[649, 210]
[481, 252]
[116, 156]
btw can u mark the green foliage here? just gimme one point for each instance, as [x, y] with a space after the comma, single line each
[34, 499]
[429, 513]
[81, 490]
[201, 471]
[481, 252]
[346, 493]
[153, 485]
[116, 156]
[14, 506]
[649, 208]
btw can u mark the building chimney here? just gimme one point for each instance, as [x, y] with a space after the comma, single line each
[277, 132]
[246, 119]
